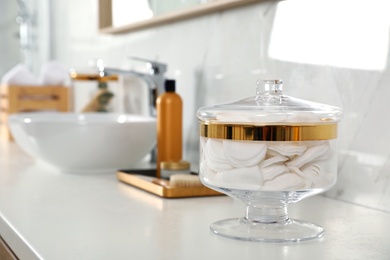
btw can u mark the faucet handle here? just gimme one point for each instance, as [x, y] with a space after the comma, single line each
[155, 66]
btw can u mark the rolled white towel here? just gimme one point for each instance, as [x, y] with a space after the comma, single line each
[19, 75]
[135, 95]
[53, 73]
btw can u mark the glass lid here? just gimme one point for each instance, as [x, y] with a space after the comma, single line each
[270, 106]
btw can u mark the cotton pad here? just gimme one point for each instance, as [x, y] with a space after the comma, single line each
[215, 156]
[244, 154]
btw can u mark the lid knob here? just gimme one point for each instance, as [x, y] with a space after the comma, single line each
[272, 86]
[269, 91]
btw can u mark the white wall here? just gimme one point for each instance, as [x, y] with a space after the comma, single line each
[218, 58]
[37, 47]
[9, 41]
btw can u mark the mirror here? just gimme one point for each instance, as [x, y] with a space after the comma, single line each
[121, 16]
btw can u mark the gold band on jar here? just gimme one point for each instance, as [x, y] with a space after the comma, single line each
[269, 132]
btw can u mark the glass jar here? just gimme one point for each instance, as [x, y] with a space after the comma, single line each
[268, 150]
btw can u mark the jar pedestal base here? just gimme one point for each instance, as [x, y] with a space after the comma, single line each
[277, 232]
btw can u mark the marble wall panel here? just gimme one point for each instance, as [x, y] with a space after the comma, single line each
[218, 58]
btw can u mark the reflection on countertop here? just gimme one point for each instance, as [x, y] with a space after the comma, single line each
[44, 212]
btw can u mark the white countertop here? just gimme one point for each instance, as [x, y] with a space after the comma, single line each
[50, 215]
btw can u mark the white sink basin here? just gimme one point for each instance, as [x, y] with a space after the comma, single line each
[91, 142]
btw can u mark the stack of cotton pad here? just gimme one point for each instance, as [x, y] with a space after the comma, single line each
[276, 166]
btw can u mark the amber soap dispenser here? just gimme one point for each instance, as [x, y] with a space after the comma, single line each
[169, 125]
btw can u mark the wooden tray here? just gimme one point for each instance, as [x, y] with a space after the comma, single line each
[142, 179]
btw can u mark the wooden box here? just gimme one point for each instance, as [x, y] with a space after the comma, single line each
[14, 99]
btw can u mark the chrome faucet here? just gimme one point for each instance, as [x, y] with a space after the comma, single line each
[154, 78]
